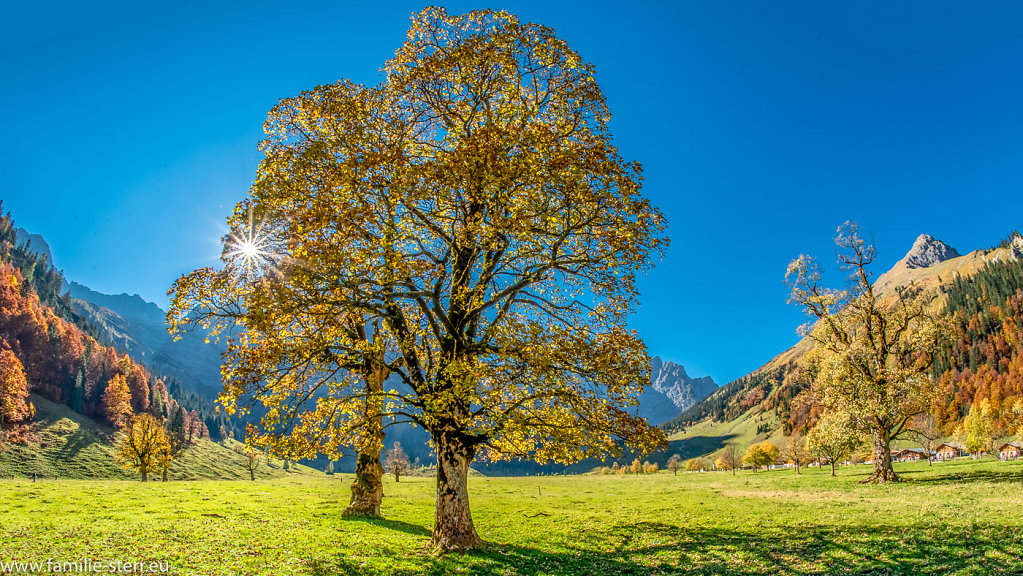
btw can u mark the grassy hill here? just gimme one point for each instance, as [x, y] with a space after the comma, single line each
[66, 444]
[959, 517]
[709, 436]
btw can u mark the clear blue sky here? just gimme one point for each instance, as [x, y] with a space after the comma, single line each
[130, 131]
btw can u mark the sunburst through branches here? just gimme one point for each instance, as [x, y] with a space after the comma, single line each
[252, 249]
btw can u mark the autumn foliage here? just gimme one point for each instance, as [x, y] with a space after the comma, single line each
[14, 405]
[144, 447]
[45, 349]
[117, 402]
[473, 203]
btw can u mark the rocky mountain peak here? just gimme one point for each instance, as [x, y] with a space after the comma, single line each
[36, 243]
[1016, 248]
[928, 251]
[671, 380]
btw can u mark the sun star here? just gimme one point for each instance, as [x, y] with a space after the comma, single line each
[251, 248]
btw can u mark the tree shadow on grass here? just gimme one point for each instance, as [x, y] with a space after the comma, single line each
[994, 476]
[657, 548]
[76, 442]
[397, 525]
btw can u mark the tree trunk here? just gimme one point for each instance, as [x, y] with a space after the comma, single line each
[453, 529]
[832, 466]
[368, 487]
[883, 472]
[145, 474]
[252, 474]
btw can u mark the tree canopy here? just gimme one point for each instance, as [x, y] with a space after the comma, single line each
[872, 351]
[475, 205]
[144, 447]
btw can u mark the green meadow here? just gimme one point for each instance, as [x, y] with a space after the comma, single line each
[954, 518]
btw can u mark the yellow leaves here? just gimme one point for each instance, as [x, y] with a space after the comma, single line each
[475, 206]
[144, 447]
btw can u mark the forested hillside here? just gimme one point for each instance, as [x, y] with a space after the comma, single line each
[982, 293]
[984, 363]
[47, 349]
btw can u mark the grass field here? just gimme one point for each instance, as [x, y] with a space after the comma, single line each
[955, 518]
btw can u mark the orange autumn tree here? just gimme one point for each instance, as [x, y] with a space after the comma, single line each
[473, 205]
[117, 402]
[14, 405]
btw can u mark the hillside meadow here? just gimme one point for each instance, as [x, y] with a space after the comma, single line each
[955, 518]
[65, 444]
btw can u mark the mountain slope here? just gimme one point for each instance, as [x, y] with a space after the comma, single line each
[36, 243]
[136, 327]
[67, 444]
[770, 390]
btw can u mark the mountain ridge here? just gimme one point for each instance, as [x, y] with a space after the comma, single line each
[766, 395]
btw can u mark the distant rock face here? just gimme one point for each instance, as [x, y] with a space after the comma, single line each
[1016, 248]
[671, 380]
[136, 327]
[35, 242]
[928, 251]
[672, 391]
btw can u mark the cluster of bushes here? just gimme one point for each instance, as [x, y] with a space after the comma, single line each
[636, 467]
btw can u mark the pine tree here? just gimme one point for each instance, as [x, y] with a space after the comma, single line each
[77, 399]
[156, 405]
[176, 431]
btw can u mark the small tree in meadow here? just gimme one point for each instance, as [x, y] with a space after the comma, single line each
[651, 468]
[675, 463]
[143, 446]
[696, 465]
[397, 462]
[761, 454]
[833, 438]
[926, 431]
[637, 467]
[163, 460]
[794, 450]
[251, 460]
[729, 459]
[976, 432]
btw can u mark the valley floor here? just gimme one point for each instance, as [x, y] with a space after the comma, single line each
[954, 518]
